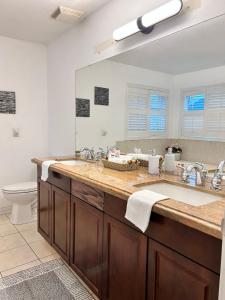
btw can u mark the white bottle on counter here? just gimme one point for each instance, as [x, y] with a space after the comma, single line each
[169, 163]
[153, 163]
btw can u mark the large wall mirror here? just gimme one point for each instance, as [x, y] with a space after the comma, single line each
[167, 92]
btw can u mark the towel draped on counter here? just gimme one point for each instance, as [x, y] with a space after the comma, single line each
[139, 207]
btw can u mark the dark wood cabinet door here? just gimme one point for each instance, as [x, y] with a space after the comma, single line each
[173, 276]
[61, 222]
[44, 210]
[125, 259]
[86, 243]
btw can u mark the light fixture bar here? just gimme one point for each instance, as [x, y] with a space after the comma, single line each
[162, 13]
[146, 23]
[126, 30]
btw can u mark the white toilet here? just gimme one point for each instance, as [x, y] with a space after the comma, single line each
[23, 197]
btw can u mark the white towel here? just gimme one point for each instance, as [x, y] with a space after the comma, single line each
[139, 207]
[222, 270]
[45, 166]
[123, 159]
[140, 156]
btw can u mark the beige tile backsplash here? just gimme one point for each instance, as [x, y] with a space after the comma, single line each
[145, 145]
[193, 150]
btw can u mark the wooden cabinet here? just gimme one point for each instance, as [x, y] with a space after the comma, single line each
[173, 276]
[170, 261]
[125, 259]
[86, 243]
[45, 210]
[54, 217]
[61, 222]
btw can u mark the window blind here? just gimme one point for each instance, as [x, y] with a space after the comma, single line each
[204, 113]
[147, 112]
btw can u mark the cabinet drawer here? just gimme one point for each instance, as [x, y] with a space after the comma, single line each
[88, 194]
[57, 179]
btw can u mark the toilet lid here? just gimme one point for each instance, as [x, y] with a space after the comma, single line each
[23, 187]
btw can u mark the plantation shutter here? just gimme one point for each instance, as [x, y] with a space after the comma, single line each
[204, 113]
[147, 112]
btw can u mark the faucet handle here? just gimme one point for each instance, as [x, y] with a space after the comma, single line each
[184, 173]
[203, 166]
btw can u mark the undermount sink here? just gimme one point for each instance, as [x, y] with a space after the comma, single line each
[73, 162]
[182, 194]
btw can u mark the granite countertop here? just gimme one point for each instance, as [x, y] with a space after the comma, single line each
[205, 218]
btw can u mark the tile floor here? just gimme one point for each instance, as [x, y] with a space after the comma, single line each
[22, 247]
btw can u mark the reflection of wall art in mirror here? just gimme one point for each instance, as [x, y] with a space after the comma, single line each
[7, 102]
[82, 107]
[101, 96]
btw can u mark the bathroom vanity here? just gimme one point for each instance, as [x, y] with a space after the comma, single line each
[81, 214]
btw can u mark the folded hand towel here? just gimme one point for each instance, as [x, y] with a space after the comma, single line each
[45, 165]
[139, 156]
[123, 159]
[222, 270]
[139, 207]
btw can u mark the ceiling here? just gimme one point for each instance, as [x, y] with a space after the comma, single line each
[193, 49]
[30, 19]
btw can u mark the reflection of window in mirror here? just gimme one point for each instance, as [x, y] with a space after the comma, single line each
[203, 113]
[147, 112]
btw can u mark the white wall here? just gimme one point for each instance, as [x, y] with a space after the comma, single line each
[23, 70]
[112, 118]
[76, 49]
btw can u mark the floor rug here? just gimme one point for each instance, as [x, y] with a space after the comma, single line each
[52, 280]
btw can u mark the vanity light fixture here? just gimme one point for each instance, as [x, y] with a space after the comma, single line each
[146, 23]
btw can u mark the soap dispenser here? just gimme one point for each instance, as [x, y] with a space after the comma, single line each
[169, 161]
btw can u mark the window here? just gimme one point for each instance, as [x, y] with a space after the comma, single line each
[147, 112]
[203, 112]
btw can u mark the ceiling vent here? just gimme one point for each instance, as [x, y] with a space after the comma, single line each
[67, 15]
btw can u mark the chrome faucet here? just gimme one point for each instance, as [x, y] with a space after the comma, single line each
[200, 171]
[89, 154]
[216, 182]
[100, 154]
[184, 175]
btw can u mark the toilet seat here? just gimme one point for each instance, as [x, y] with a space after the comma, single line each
[20, 188]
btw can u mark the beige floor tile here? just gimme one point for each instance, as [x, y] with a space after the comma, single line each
[6, 229]
[25, 227]
[21, 268]
[16, 257]
[42, 248]
[4, 219]
[50, 257]
[31, 236]
[11, 241]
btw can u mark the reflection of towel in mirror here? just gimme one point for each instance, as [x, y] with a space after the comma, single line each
[139, 207]
[123, 159]
[45, 166]
[139, 156]
[222, 271]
